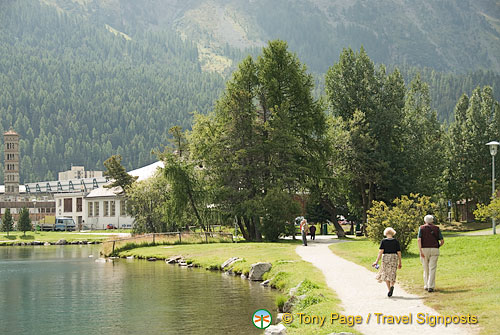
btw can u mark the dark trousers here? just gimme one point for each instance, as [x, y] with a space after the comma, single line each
[313, 235]
[304, 238]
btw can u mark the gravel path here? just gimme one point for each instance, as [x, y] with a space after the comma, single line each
[361, 294]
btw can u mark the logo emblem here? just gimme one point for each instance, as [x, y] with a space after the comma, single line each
[262, 318]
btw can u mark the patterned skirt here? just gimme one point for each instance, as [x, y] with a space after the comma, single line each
[388, 268]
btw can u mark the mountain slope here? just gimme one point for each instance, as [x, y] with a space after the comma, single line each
[458, 36]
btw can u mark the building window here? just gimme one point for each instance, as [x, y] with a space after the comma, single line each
[90, 208]
[112, 208]
[106, 208]
[122, 207]
[68, 205]
[79, 204]
[96, 208]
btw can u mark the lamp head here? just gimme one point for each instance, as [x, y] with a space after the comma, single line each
[493, 147]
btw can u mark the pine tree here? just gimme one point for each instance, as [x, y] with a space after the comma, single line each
[24, 223]
[7, 222]
[116, 172]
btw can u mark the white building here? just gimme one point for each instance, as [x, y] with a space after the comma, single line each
[101, 206]
[78, 172]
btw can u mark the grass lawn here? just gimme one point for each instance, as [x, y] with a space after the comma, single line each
[288, 270]
[48, 236]
[464, 226]
[467, 280]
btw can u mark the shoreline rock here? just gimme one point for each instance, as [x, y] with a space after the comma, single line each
[258, 270]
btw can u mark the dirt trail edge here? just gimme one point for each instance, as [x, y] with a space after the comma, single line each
[361, 295]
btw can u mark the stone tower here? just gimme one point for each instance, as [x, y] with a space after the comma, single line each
[11, 166]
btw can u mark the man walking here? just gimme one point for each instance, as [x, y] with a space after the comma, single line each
[429, 241]
[312, 231]
[304, 228]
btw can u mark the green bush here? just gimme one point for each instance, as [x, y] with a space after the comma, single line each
[306, 287]
[280, 302]
[405, 216]
[280, 208]
[309, 301]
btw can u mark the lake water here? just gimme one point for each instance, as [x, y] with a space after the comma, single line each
[60, 290]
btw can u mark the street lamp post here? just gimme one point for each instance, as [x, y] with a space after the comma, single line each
[493, 151]
[34, 205]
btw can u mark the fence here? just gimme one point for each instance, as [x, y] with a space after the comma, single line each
[111, 247]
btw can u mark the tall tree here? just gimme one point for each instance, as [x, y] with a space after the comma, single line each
[261, 136]
[117, 173]
[186, 187]
[146, 203]
[24, 223]
[370, 103]
[423, 159]
[476, 123]
[178, 140]
[7, 222]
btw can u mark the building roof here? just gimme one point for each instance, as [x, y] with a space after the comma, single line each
[104, 192]
[56, 186]
[10, 132]
[147, 171]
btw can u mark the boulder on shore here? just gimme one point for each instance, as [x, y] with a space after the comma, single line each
[229, 262]
[61, 242]
[258, 270]
[278, 329]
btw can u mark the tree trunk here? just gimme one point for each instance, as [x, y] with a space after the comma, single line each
[242, 228]
[193, 206]
[250, 229]
[258, 235]
[330, 207]
[466, 210]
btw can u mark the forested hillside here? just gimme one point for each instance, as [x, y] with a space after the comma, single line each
[78, 93]
[448, 35]
[82, 80]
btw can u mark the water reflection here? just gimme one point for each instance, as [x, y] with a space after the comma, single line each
[60, 290]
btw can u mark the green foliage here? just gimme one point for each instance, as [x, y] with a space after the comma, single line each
[280, 280]
[280, 301]
[7, 222]
[24, 223]
[405, 216]
[77, 93]
[369, 104]
[490, 211]
[263, 135]
[187, 194]
[116, 172]
[477, 121]
[146, 204]
[306, 286]
[308, 301]
[280, 211]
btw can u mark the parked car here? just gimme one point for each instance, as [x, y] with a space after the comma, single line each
[64, 224]
[110, 226]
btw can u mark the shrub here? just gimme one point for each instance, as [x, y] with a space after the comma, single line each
[309, 301]
[405, 216]
[279, 208]
[306, 287]
[280, 302]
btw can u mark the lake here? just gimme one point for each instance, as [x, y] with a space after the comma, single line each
[61, 290]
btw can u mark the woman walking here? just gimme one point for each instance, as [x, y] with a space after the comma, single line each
[390, 252]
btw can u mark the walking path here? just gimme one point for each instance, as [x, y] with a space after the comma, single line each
[361, 294]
